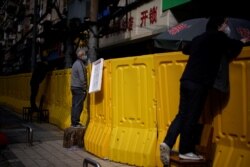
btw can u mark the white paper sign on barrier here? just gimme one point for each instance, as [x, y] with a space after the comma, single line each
[96, 76]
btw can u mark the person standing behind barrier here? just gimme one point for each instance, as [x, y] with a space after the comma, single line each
[78, 86]
[38, 75]
[205, 53]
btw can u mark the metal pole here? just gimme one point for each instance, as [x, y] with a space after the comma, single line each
[33, 56]
[93, 44]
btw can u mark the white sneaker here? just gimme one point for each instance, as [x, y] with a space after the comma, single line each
[165, 154]
[191, 156]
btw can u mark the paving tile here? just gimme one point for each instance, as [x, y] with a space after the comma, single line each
[47, 149]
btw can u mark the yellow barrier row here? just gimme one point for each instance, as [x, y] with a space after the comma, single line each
[138, 100]
[15, 91]
[141, 96]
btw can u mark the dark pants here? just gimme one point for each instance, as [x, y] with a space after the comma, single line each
[34, 91]
[78, 97]
[192, 100]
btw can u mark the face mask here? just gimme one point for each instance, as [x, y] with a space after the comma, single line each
[85, 58]
[227, 31]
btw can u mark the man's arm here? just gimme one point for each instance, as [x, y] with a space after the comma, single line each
[235, 47]
[80, 72]
[186, 48]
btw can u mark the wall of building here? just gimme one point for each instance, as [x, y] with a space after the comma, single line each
[144, 21]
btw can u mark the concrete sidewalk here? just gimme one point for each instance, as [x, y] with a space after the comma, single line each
[47, 147]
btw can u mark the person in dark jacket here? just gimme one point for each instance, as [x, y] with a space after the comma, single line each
[38, 75]
[78, 86]
[206, 52]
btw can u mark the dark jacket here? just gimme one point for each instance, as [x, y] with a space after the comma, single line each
[39, 73]
[206, 52]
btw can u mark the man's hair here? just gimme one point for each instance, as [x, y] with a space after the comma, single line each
[214, 23]
[79, 52]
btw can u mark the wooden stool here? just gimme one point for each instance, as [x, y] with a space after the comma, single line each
[176, 161]
[73, 136]
[42, 114]
[204, 148]
[26, 111]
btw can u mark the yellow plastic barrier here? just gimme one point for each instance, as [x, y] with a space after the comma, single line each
[98, 134]
[133, 105]
[232, 133]
[168, 68]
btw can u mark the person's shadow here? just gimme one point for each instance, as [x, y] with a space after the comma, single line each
[215, 104]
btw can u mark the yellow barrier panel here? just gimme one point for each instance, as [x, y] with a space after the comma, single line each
[67, 92]
[59, 110]
[3, 89]
[59, 99]
[232, 123]
[59, 94]
[14, 91]
[97, 136]
[53, 109]
[169, 68]
[133, 102]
